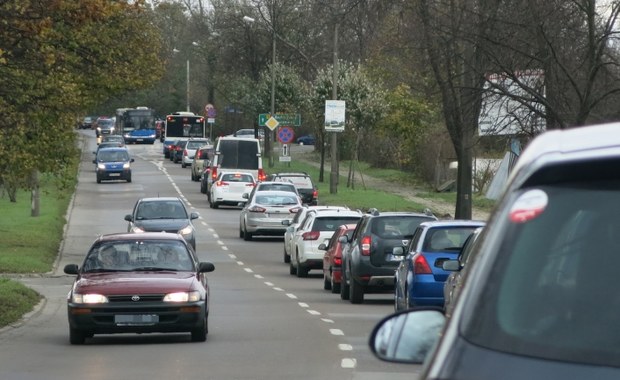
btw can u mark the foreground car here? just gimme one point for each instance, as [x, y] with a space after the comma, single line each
[166, 214]
[539, 294]
[145, 283]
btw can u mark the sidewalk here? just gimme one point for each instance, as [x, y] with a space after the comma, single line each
[443, 210]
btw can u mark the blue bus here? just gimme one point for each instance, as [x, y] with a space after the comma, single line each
[136, 125]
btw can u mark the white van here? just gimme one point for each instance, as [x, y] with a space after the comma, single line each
[238, 154]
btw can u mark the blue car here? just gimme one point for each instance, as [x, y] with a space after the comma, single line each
[420, 277]
[113, 164]
[306, 140]
[140, 136]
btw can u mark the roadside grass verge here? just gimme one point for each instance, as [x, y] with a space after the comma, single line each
[28, 245]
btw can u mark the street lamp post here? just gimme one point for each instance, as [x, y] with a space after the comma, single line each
[187, 87]
[272, 111]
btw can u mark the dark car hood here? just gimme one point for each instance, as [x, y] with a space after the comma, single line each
[135, 282]
[161, 224]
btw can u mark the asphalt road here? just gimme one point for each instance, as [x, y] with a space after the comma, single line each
[264, 323]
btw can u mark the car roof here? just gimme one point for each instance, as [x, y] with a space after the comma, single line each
[322, 213]
[275, 192]
[140, 236]
[160, 199]
[453, 223]
[113, 149]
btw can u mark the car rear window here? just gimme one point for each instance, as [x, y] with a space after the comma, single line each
[552, 292]
[299, 182]
[229, 177]
[331, 223]
[396, 227]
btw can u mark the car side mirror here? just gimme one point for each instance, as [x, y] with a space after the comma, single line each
[71, 269]
[398, 251]
[407, 336]
[343, 239]
[94, 161]
[204, 267]
[194, 215]
[322, 247]
[131, 160]
[128, 218]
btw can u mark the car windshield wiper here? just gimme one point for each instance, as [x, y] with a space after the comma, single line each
[152, 269]
[102, 270]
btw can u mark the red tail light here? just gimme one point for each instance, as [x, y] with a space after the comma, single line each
[221, 183]
[310, 235]
[199, 154]
[338, 261]
[420, 265]
[315, 193]
[257, 209]
[261, 175]
[185, 152]
[251, 184]
[366, 244]
[214, 173]
[294, 210]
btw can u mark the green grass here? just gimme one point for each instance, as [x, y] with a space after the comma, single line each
[30, 244]
[15, 301]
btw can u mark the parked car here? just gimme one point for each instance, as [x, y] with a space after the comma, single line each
[168, 146]
[176, 154]
[306, 140]
[145, 283]
[205, 180]
[269, 186]
[539, 294]
[295, 223]
[368, 263]
[113, 164]
[166, 214]
[228, 189]
[317, 228]
[193, 144]
[202, 158]
[307, 190]
[332, 259]
[265, 213]
[454, 282]
[420, 277]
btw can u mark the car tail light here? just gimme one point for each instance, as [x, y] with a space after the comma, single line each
[338, 261]
[294, 210]
[185, 152]
[310, 235]
[257, 209]
[261, 175]
[366, 243]
[420, 265]
[251, 184]
[199, 154]
[221, 183]
[315, 193]
[214, 173]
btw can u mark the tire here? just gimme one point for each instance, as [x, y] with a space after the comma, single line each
[98, 180]
[327, 284]
[287, 257]
[241, 232]
[247, 236]
[344, 289]
[183, 165]
[76, 336]
[302, 272]
[210, 203]
[291, 269]
[335, 287]
[216, 205]
[129, 179]
[199, 334]
[356, 291]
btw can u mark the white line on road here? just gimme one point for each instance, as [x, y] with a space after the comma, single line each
[348, 363]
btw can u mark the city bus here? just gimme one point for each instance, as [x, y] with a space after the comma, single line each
[136, 125]
[184, 125]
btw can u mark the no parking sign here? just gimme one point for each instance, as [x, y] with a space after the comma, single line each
[286, 135]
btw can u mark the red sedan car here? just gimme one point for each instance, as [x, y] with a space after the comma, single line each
[150, 282]
[332, 260]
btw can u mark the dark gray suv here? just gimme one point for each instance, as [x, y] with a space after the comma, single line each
[368, 264]
[539, 298]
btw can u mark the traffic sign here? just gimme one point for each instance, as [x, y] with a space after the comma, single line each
[272, 123]
[210, 111]
[290, 119]
[286, 135]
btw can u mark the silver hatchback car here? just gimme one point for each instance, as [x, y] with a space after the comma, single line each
[268, 212]
[539, 298]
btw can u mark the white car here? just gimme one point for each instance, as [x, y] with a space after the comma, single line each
[318, 227]
[190, 150]
[268, 213]
[296, 223]
[229, 187]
